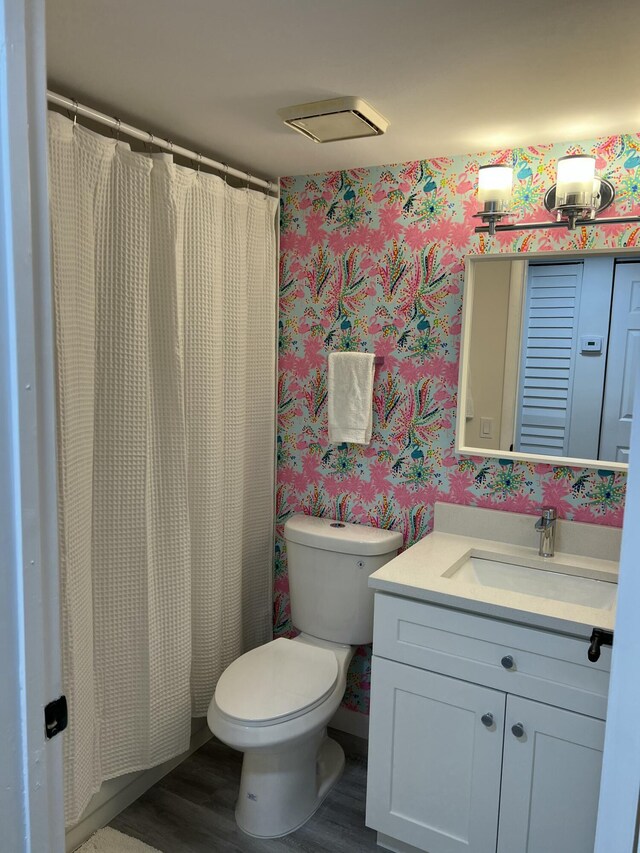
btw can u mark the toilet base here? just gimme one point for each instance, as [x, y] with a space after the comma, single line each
[280, 789]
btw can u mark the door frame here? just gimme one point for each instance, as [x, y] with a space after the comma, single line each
[31, 798]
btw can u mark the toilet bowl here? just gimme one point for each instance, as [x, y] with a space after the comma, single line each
[274, 702]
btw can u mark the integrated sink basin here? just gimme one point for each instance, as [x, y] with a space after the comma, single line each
[489, 571]
[486, 561]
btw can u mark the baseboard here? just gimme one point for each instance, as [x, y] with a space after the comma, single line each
[350, 722]
[388, 843]
[116, 794]
[351, 730]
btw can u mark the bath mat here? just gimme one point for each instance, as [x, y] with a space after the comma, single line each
[109, 840]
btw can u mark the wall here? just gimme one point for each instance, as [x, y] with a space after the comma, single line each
[488, 350]
[372, 259]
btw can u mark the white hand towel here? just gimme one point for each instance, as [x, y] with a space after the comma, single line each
[350, 389]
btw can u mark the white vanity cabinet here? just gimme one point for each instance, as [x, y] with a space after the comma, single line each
[485, 735]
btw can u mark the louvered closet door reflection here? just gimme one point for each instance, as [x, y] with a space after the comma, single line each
[548, 359]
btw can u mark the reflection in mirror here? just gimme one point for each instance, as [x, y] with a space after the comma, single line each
[551, 347]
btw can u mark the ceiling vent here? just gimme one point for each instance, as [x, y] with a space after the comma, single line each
[335, 119]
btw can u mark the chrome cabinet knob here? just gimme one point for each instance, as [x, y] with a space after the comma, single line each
[517, 730]
[487, 720]
[508, 662]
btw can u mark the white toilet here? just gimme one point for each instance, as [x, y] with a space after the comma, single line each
[274, 702]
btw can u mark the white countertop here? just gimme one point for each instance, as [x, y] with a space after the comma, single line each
[420, 573]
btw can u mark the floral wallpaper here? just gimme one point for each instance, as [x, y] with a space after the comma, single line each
[372, 259]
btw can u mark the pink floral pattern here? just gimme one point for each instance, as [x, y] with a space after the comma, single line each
[373, 260]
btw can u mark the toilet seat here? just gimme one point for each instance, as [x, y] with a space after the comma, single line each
[276, 682]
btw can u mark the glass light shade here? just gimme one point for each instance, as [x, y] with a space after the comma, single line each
[494, 185]
[576, 183]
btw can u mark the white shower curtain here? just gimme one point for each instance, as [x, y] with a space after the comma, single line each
[164, 285]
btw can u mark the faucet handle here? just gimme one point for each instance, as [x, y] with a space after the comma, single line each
[549, 513]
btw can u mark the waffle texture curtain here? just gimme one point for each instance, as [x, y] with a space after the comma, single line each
[164, 285]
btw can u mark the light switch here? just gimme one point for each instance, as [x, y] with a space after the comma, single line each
[486, 427]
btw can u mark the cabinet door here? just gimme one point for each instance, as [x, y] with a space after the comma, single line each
[434, 765]
[550, 779]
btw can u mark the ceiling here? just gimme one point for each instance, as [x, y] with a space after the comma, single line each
[451, 76]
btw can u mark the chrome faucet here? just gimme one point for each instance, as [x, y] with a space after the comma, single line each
[546, 524]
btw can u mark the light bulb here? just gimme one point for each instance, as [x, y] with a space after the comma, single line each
[576, 183]
[494, 185]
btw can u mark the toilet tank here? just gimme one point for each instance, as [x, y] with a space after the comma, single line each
[329, 565]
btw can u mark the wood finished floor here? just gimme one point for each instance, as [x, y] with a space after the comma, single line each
[191, 810]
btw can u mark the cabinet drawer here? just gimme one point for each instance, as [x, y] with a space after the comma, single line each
[551, 668]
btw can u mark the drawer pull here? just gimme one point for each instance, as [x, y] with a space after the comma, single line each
[508, 662]
[599, 637]
[517, 730]
[487, 720]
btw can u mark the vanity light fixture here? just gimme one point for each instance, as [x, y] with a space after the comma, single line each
[576, 199]
[578, 193]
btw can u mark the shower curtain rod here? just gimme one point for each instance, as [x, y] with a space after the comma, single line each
[166, 144]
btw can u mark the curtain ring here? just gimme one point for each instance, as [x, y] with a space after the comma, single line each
[118, 126]
[199, 156]
[75, 112]
[225, 169]
[249, 176]
[152, 139]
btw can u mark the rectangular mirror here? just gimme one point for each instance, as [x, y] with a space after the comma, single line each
[550, 350]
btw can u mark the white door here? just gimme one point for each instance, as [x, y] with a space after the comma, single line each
[623, 361]
[434, 765]
[618, 811]
[550, 779]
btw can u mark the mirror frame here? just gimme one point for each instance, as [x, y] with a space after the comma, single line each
[467, 300]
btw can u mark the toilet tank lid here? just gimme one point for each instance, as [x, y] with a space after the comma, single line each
[341, 537]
